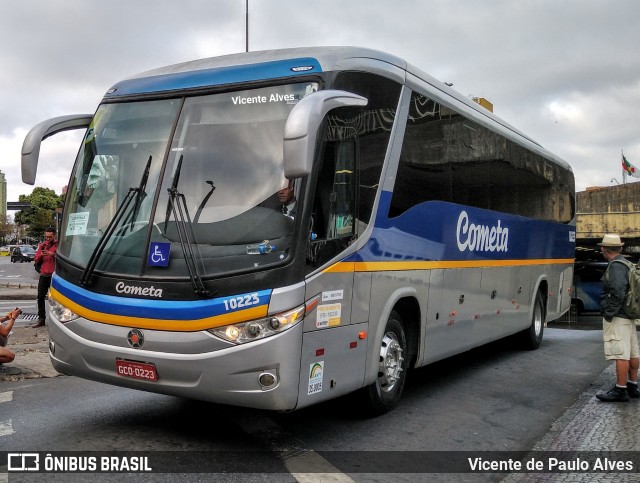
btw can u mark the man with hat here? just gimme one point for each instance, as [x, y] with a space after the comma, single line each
[618, 329]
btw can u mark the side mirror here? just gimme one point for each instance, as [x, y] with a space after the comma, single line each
[303, 124]
[40, 132]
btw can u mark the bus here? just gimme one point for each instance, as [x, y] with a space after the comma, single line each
[424, 226]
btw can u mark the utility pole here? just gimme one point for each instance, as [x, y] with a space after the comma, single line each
[246, 25]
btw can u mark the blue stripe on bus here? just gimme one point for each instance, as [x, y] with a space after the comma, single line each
[429, 231]
[214, 76]
[159, 309]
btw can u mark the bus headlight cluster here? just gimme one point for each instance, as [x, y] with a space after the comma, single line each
[244, 332]
[60, 312]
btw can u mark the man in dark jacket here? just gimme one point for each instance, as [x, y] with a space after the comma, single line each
[287, 200]
[618, 330]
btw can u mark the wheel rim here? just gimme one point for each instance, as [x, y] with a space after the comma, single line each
[390, 362]
[537, 320]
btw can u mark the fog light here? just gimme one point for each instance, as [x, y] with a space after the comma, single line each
[274, 323]
[52, 347]
[253, 330]
[267, 380]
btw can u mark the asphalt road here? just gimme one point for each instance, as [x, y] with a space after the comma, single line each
[17, 272]
[495, 398]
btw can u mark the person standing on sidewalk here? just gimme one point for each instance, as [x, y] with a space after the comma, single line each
[46, 255]
[7, 355]
[618, 330]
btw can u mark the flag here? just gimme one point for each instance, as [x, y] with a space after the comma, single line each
[629, 168]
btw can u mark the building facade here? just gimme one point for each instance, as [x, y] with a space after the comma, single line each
[613, 209]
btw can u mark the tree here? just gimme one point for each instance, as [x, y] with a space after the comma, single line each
[6, 227]
[40, 215]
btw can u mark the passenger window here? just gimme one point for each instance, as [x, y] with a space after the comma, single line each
[448, 157]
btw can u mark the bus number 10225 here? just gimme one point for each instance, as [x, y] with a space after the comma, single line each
[242, 301]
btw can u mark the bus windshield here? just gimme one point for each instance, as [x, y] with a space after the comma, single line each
[171, 186]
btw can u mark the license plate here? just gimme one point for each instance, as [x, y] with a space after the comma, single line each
[136, 370]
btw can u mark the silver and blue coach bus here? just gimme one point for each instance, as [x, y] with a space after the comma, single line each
[424, 226]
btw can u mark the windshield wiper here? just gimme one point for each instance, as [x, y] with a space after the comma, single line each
[204, 201]
[136, 194]
[174, 187]
[141, 195]
[177, 205]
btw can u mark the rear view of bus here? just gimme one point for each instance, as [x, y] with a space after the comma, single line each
[180, 271]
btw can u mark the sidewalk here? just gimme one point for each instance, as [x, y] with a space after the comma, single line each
[31, 346]
[589, 428]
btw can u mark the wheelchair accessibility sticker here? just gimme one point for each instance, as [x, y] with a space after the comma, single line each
[159, 254]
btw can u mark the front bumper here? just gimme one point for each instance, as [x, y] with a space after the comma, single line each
[189, 364]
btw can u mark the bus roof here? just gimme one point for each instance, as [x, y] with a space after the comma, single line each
[288, 63]
[251, 66]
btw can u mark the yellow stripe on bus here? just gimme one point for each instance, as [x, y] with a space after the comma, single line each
[161, 324]
[342, 267]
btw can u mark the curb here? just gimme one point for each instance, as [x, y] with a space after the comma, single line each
[18, 285]
[31, 347]
[18, 291]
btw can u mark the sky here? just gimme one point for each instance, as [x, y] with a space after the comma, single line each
[567, 73]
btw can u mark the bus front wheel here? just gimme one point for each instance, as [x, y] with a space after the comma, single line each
[384, 394]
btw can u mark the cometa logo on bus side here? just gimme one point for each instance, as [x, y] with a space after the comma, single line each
[481, 238]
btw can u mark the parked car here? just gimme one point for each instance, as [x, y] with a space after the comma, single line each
[23, 253]
[6, 250]
[588, 285]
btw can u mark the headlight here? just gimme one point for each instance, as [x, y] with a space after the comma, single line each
[259, 329]
[60, 312]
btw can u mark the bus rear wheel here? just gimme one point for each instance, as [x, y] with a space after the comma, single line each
[384, 394]
[532, 337]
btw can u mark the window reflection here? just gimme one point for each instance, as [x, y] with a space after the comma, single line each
[448, 157]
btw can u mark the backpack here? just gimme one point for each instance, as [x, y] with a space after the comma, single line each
[631, 303]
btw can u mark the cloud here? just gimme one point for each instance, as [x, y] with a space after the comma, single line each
[566, 73]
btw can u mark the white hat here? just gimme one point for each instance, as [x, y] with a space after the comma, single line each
[611, 240]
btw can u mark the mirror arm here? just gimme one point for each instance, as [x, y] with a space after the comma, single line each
[40, 132]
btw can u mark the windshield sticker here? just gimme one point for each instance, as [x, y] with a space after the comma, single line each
[159, 254]
[328, 315]
[315, 377]
[77, 224]
[333, 295]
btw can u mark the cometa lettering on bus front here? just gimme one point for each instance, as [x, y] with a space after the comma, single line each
[135, 290]
[481, 238]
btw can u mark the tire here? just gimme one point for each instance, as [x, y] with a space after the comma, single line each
[532, 337]
[384, 394]
[579, 307]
